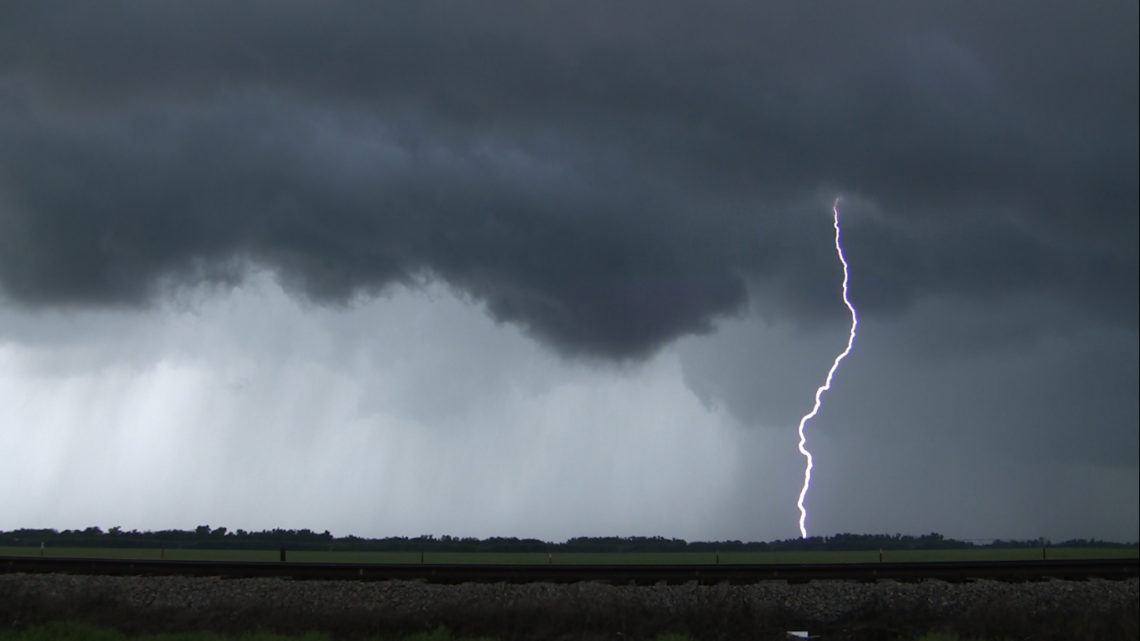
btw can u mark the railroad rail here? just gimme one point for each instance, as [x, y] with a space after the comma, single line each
[617, 574]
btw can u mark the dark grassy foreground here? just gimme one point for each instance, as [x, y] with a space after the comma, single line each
[70, 631]
[720, 615]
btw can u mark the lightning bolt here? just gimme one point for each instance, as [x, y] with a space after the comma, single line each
[830, 374]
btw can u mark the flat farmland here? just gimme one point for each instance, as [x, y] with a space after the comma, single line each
[570, 558]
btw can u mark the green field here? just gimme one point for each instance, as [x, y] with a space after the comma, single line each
[980, 554]
[75, 631]
[71, 631]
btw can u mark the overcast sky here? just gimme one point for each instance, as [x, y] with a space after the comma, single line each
[566, 268]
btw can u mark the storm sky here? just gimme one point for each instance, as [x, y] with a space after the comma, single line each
[566, 268]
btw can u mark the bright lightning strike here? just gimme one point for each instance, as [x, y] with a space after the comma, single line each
[827, 383]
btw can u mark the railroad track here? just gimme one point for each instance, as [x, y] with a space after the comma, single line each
[1074, 569]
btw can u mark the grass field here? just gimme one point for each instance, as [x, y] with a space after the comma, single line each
[73, 631]
[580, 558]
[70, 631]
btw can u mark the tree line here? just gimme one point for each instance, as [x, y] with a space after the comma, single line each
[206, 537]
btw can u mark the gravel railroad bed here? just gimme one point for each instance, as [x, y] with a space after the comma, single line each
[838, 610]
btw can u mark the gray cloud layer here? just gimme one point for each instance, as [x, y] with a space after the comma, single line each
[609, 177]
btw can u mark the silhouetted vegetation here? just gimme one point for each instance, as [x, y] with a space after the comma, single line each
[205, 537]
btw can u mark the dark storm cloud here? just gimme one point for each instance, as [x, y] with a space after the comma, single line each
[608, 177]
